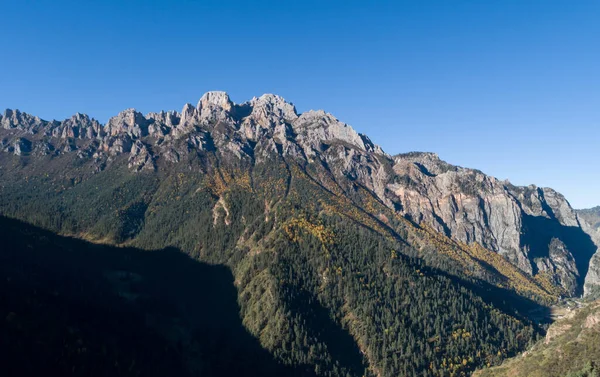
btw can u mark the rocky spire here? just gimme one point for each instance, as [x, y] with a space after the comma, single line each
[128, 122]
[270, 110]
[214, 106]
[215, 100]
[78, 126]
[20, 120]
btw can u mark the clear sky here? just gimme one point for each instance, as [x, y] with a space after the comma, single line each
[510, 87]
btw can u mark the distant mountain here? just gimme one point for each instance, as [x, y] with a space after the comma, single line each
[345, 259]
[592, 216]
[571, 348]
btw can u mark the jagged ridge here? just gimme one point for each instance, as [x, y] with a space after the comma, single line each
[534, 228]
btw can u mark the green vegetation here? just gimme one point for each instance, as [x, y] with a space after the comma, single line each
[571, 348]
[72, 308]
[327, 277]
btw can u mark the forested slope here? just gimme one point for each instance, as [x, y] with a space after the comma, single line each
[73, 308]
[320, 282]
[571, 348]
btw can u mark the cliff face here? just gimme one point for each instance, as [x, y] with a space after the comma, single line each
[534, 228]
[591, 224]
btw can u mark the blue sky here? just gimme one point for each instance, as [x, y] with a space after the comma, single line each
[509, 87]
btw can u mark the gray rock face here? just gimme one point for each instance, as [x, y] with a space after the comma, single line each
[269, 116]
[21, 146]
[592, 279]
[79, 126]
[128, 122]
[591, 216]
[317, 127]
[140, 157]
[464, 204]
[559, 264]
[214, 106]
[590, 222]
[14, 119]
[214, 102]
[534, 228]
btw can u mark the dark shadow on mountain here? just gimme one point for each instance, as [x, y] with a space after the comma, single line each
[241, 111]
[340, 343]
[424, 170]
[72, 308]
[209, 143]
[539, 231]
[504, 299]
[248, 148]
[447, 231]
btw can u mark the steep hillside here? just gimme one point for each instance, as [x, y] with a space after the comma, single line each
[319, 281]
[345, 259]
[571, 348]
[72, 308]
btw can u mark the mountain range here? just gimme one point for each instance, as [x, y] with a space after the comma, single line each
[344, 260]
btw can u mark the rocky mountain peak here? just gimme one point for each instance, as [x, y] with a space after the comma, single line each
[317, 126]
[20, 120]
[80, 119]
[273, 106]
[214, 100]
[188, 113]
[213, 107]
[167, 118]
[268, 114]
[78, 126]
[130, 122]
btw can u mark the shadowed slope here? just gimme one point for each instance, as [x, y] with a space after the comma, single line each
[72, 308]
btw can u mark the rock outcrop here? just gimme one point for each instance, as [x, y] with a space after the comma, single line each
[14, 119]
[535, 228]
[590, 222]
